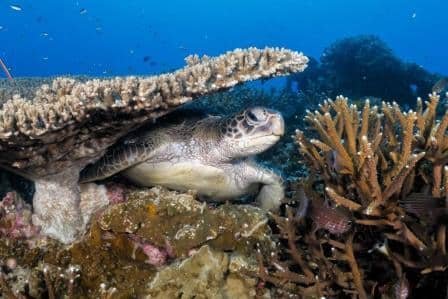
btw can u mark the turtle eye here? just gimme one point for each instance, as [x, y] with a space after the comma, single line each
[252, 116]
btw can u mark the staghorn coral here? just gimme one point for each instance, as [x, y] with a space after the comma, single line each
[367, 159]
[49, 132]
[380, 177]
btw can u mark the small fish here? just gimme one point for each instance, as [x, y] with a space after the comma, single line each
[304, 203]
[336, 162]
[424, 206]
[82, 11]
[440, 85]
[44, 34]
[16, 7]
[1, 27]
[146, 58]
[335, 220]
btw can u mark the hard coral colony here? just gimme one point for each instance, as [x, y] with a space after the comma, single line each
[382, 172]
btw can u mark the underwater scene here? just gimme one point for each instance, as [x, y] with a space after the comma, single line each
[223, 149]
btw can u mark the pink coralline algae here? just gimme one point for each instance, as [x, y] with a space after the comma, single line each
[116, 193]
[15, 218]
[156, 256]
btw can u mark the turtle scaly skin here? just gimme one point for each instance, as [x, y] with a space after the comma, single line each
[210, 154]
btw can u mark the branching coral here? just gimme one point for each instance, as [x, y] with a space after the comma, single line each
[50, 132]
[385, 173]
[367, 159]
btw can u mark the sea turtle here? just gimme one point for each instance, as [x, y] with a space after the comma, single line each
[210, 154]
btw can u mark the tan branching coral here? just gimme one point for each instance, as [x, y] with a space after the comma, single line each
[48, 132]
[377, 152]
[386, 171]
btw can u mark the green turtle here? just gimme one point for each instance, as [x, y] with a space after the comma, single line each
[210, 154]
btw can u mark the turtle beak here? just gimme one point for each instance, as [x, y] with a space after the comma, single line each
[277, 125]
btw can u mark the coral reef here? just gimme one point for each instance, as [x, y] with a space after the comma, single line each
[15, 218]
[49, 132]
[132, 247]
[361, 66]
[178, 223]
[372, 214]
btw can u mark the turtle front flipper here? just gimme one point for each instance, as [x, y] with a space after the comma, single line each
[270, 196]
[272, 190]
[117, 159]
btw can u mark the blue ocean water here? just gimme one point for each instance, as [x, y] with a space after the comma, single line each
[40, 38]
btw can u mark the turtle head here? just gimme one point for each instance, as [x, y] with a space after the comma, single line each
[252, 131]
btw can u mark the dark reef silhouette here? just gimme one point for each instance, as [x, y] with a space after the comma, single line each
[364, 66]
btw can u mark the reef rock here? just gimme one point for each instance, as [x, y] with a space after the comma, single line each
[177, 224]
[206, 274]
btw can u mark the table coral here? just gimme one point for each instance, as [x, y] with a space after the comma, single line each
[51, 129]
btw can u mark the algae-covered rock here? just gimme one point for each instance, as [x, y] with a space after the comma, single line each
[178, 222]
[206, 274]
[131, 242]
